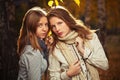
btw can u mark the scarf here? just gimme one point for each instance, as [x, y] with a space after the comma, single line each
[44, 52]
[69, 39]
[62, 44]
[44, 49]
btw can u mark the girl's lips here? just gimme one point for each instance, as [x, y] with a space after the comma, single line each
[60, 33]
[44, 34]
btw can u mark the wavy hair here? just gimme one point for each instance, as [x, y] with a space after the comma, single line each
[77, 25]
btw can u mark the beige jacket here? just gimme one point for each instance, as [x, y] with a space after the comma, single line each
[58, 65]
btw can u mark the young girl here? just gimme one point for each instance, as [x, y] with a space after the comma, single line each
[76, 50]
[31, 46]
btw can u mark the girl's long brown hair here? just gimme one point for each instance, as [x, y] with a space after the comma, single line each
[28, 29]
[74, 24]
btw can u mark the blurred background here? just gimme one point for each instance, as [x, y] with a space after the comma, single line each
[96, 14]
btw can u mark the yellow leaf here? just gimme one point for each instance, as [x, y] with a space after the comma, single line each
[61, 1]
[77, 2]
[56, 2]
[49, 33]
[50, 3]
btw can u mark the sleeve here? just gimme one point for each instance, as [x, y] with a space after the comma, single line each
[55, 69]
[31, 62]
[97, 55]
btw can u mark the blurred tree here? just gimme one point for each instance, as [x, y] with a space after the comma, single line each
[87, 13]
[102, 21]
[113, 16]
[8, 56]
[33, 3]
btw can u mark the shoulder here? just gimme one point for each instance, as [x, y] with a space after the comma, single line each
[30, 52]
[30, 56]
[94, 39]
[95, 36]
[56, 53]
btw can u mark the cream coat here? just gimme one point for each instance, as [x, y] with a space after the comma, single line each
[58, 65]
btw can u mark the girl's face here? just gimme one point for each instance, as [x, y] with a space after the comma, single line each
[42, 28]
[59, 27]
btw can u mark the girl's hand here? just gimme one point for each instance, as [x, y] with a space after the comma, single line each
[49, 40]
[80, 45]
[74, 69]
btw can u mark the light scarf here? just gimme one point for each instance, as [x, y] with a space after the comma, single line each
[70, 39]
[62, 44]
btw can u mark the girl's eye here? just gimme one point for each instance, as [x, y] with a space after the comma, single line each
[52, 26]
[59, 23]
[39, 25]
[46, 24]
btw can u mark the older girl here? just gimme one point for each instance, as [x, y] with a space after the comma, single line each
[76, 50]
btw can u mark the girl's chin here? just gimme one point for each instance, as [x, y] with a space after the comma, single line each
[61, 35]
[42, 38]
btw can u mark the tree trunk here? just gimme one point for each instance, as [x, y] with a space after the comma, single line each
[8, 56]
[102, 21]
[88, 13]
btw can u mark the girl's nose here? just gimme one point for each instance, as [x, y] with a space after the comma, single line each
[57, 28]
[45, 28]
